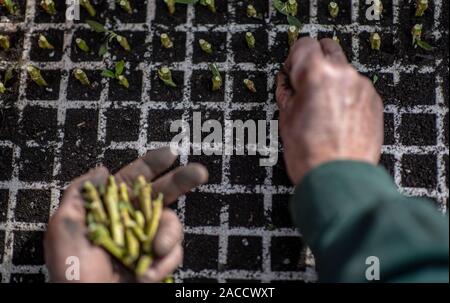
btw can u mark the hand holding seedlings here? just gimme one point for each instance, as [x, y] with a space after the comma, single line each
[4, 42]
[82, 45]
[81, 76]
[216, 77]
[205, 46]
[11, 7]
[35, 75]
[375, 41]
[125, 5]
[333, 9]
[43, 43]
[165, 75]
[250, 85]
[421, 7]
[49, 7]
[292, 34]
[250, 39]
[89, 7]
[166, 41]
[117, 74]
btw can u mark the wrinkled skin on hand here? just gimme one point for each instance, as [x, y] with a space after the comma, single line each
[67, 231]
[328, 111]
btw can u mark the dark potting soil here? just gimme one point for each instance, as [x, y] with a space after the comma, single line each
[117, 92]
[203, 209]
[257, 55]
[159, 121]
[6, 17]
[218, 44]
[122, 124]
[93, 40]
[12, 89]
[162, 92]
[416, 89]
[38, 124]
[204, 16]
[247, 248]
[200, 252]
[201, 87]
[418, 129]
[383, 57]
[33, 205]
[115, 159]
[28, 248]
[163, 17]
[419, 171]
[78, 91]
[281, 216]
[16, 46]
[242, 94]
[138, 15]
[287, 253]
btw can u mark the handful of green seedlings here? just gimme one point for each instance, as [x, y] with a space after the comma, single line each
[125, 232]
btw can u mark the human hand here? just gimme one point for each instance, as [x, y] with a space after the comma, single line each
[67, 231]
[328, 111]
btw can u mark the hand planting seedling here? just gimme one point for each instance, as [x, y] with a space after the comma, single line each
[4, 42]
[8, 76]
[250, 85]
[165, 41]
[35, 75]
[125, 232]
[117, 74]
[292, 34]
[82, 45]
[290, 10]
[125, 5]
[421, 7]
[89, 7]
[333, 9]
[110, 35]
[205, 46]
[81, 76]
[416, 33]
[165, 75]
[250, 39]
[49, 7]
[11, 7]
[216, 77]
[43, 43]
[375, 41]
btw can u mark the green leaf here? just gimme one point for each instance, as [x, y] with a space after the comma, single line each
[293, 21]
[214, 70]
[169, 83]
[424, 45]
[103, 49]
[375, 79]
[119, 67]
[95, 26]
[186, 1]
[8, 75]
[280, 6]
[108, 73]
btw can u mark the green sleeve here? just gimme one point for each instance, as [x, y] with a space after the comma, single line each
[348, 211]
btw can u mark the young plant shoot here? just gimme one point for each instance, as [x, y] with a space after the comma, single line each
[333, 9]
[123, 42]
[250, 85]
[117, 74]
[251, 11]
[205, 46]
[88, 7]
[210, 4]
[43, 43]
[49, 7]
[11, 7]
[125, 5]
[292, 34]
[99, 28]
[82, 45]
[165, 75]
[416, 33]
[2, 88]
[166, 41]
[290, 10]
[250, 39]
[421, 7]
[378, 7]
[35, 75]
[4, 42]
[292, 7]
[81, 76]
[8, 76]
[216, 77]
[375, 41]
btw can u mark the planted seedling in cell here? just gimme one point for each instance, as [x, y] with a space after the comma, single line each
[125, 5]
[109, 36]
[81, 76]
[252, 13]
[421, 7]
[11, 7]
[166, 41]
[416, 33]
[292, 34]
[250, 85]
[117, 74]
[5, 42]
[49, 7]
[378, 8]
[7, 77]
[171, 4]
[216, 77]
[165, 75]
[82, 45]
[35, 75]
[290, 10]
[86, 4]
[333, 9]
[375, 41]
[250, 39]
[210, 4]
[43, 42]
[205, 46]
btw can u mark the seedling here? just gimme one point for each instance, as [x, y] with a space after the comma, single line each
[4, 42]
[125, 5]
[333, 9]
[250, 85]
[250, 39]
[117, 74]
[205, 46]
[81, 76]
[35, 75]
[375, 41]
[43, 43]
[88, 7]
[375, 79]
[252, 13]
[171, 4]
[292, 34]
[378, 7]
[113, 222]
[110, 35]
[216, 77]
[421, 7]
[416, 33]
[165, 75]
[11, 7]
[49, 7]
[82, 45]
[289, 9]
[8, 76]
[166, 41]
[210, 4]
